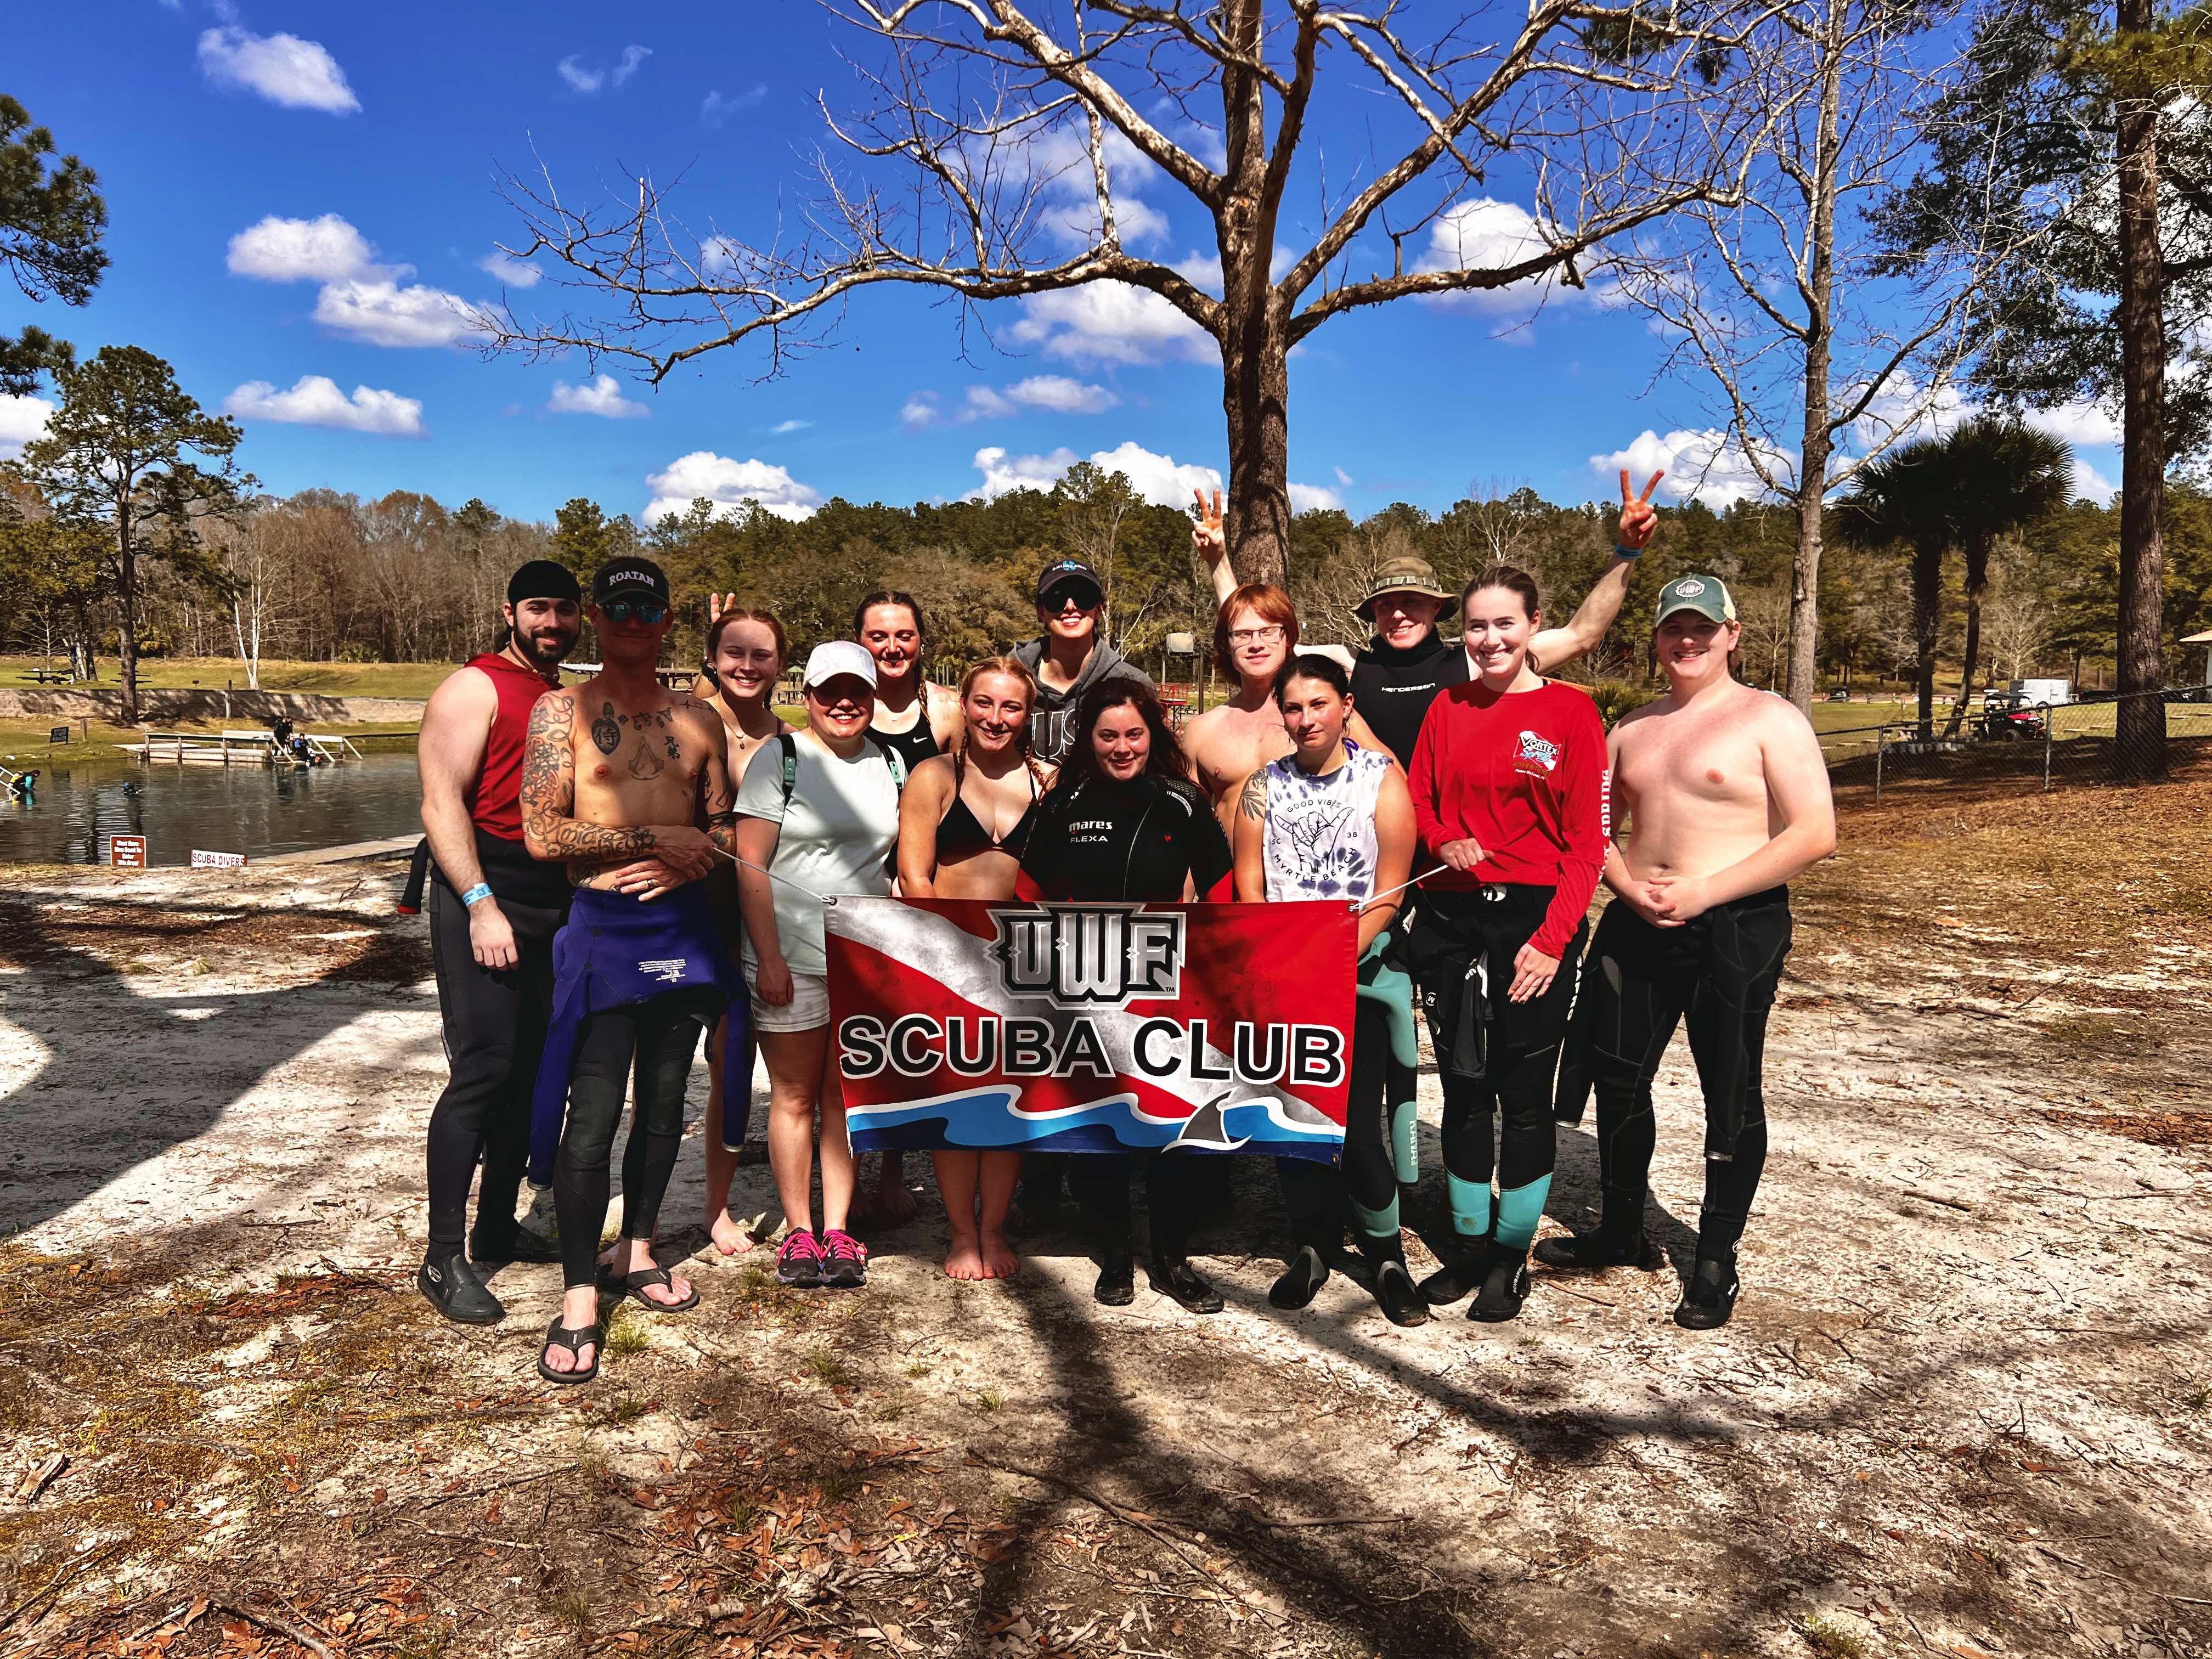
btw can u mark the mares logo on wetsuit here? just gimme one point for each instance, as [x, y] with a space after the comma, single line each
[1089, 955]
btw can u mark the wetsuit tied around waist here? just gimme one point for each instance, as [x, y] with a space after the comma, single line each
[616, 953]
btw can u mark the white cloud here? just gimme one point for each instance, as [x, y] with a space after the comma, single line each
[515, 273]
[601, 397]
[1487, 234]
[1059, 163]
[384, 314]
[1110, 323]
[715, 109]
[1904, 409]
[1700, 466]
[2088, 482]
[729, 484]
[1312, 498]
[22, 419]
[1342, 476]
[325, 250]
[1055, 392]
[2075, 424]
[315, 400]
[1160, 479]
[282, 68]
[571, 68]
[783, 427]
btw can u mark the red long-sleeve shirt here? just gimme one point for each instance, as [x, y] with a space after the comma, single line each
[1524, 775]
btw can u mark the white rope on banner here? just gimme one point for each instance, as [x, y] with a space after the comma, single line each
[1402, 886]
[819, 898]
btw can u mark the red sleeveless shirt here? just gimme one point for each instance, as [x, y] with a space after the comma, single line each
[496, 804]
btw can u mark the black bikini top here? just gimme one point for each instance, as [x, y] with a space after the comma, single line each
[961, 834]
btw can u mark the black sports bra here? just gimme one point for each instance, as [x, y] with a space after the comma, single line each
[961, 834]
[917, 744]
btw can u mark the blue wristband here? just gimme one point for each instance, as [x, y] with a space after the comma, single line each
[1620, 552]
[475, 894]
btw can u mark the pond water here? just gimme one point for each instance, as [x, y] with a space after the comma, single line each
[254, 810]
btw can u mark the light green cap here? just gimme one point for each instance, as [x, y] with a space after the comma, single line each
[1706, 595]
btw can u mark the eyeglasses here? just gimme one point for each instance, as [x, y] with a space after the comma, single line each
[1266, 635]
[647, 611]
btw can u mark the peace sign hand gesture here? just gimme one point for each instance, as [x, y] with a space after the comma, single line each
[718, 603]
[1206, 535]
[1638, 518]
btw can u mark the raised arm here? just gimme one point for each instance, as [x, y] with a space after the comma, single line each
[1639, 520]
[1208, 537]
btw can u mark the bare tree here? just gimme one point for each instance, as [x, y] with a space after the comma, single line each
[985, 162]
[1817, 365]
[1764, 615]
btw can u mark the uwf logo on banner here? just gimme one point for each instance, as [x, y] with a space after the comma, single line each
[1216, 1028]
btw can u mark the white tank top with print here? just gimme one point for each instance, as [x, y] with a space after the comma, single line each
[1320, 840]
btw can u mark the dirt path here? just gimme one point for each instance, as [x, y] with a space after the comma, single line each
[1965, 1407]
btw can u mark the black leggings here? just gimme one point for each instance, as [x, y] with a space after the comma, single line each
[661, 1037]
[1498, 1125]
[1645, 981]
[1100, 1181]
[495, 1029]
[1313, 1193]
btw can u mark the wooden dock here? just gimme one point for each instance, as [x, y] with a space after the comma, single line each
[232, 748]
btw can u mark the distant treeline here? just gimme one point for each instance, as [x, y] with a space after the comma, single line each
[325, 576]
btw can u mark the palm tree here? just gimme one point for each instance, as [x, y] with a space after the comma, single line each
[1902, 500]
[2001, 476]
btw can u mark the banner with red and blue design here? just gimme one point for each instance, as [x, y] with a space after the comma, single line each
[1068, 1027]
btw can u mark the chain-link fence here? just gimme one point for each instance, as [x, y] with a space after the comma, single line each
[2004, 742]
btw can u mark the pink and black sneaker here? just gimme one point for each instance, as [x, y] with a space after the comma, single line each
[799, 1260]
[844, 1260]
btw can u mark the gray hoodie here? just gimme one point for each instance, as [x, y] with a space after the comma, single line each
[1050, 737]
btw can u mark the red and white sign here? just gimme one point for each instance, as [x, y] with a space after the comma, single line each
[1100, 1027]
[206, 860]
[127, 852]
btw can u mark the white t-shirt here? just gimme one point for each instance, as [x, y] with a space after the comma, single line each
[839, 828]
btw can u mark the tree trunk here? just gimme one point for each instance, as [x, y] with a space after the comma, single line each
[1255, 383]
[126, 604]
[1977, 583]
[1817, 441]
[1927, 618]
[2140, 751]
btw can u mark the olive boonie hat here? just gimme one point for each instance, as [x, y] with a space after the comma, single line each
[1404, 575]
[1706, 595]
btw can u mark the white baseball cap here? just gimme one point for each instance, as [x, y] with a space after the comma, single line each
[835, 657]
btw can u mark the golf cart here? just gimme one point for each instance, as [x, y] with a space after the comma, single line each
[2010, 717]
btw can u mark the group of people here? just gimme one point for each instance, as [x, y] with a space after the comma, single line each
[622, 869]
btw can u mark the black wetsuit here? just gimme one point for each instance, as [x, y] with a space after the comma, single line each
[1718, 974]
[494, 1026]
[1393, 689]
[1129, 843]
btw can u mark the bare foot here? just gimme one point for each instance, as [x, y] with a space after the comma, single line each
[677, 1289]
[999, 1261]
[729, 1235]
[894, 1205]
[965, 1260]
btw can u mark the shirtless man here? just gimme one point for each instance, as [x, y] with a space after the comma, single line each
[1254, 632]
[619, 776]
[1726, 797]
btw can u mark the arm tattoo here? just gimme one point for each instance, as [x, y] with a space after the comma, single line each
[549, 792]
[1253, 803]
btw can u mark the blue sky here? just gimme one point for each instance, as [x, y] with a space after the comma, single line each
[293, 189]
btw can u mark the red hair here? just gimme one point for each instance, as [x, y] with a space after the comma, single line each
[1269, 602]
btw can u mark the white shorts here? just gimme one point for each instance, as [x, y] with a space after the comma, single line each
[809, 1007]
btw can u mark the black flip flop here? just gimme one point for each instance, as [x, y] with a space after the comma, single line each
[559, 1336]
[632, 1286]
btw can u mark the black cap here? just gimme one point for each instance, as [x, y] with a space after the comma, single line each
[629, 577]
[1062, 572]
[543, 578]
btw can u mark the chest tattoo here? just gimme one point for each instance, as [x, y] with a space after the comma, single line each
[606, 730]
[644, 764]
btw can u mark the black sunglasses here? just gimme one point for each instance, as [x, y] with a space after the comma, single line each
[647, 611]
[1087, 596]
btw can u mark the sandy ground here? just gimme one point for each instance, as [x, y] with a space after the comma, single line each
[1965, 1405]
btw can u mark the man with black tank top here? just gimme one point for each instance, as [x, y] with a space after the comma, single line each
[494, 910]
